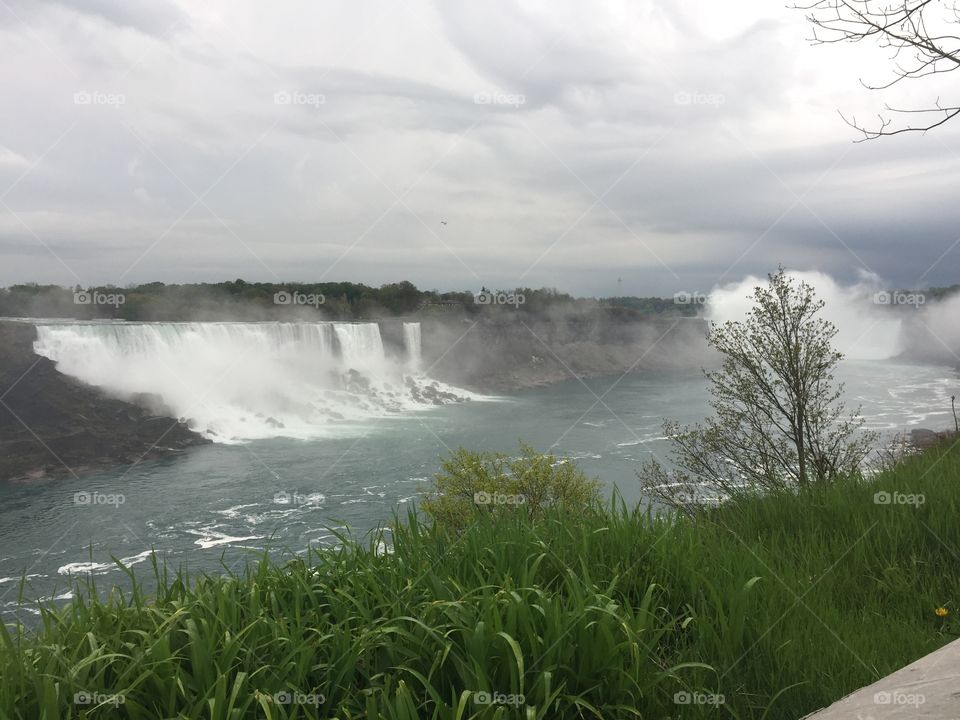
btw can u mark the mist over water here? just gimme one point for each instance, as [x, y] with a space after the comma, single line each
[243, 381]
[872, 322]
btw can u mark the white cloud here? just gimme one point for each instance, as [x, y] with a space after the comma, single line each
[11, 159]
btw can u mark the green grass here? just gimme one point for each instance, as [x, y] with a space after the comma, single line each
[781, 605]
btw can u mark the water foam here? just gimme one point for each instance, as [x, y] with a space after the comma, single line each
[99, 568]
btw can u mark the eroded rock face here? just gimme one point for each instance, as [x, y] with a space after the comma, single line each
[432, 393]
[52, 425]
[924, 438]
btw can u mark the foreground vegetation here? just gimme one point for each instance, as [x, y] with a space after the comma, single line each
[769, 608]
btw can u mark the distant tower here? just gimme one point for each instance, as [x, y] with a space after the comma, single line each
[619, 284]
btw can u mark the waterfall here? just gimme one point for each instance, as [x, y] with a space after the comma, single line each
[360, 343]
[411, 343]
[236, 381]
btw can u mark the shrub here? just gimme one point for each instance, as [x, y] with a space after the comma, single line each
[471, 482]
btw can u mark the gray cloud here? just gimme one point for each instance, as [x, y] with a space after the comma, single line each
[154, 18]
[331, 141]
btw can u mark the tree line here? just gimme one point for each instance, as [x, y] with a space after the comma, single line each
[242, 300]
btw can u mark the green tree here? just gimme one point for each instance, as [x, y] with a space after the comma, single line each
[778, 421]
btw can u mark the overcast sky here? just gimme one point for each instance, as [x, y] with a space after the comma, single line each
[675, 144]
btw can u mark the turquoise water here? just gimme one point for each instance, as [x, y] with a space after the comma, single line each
[215, 505]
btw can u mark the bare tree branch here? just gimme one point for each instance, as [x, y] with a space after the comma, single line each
[913, 29]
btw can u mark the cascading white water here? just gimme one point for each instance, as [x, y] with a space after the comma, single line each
[360, 345]
[411, 343]
[240, 381]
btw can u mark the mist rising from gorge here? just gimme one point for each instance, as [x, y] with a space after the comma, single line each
[873, 322]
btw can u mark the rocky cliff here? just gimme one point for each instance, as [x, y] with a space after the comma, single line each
[53, 425]
[511, 351]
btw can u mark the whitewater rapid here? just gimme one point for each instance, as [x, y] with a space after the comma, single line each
[233, 381]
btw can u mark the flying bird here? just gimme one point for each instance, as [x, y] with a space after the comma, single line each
[443, 222]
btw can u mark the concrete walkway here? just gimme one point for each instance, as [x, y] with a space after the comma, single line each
[928, 689]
